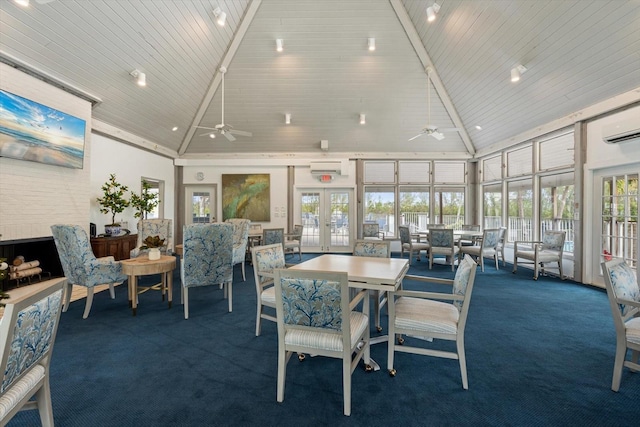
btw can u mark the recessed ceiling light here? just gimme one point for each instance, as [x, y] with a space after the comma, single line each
[478, 127]
[372, 44]
[23, 3]
[363, 119]
[212, 135]
[175, 128]
[287, 118]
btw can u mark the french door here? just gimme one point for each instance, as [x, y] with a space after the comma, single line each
[327, 217]
[200, 204]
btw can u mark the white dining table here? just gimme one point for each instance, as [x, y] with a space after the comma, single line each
[370, 273]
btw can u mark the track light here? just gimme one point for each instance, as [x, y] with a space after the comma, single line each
[432, 11]
[287, 119]
[221, 17]
[363, 119]
[517, 71]
[372, 44]
[279, 43]
[141, 78]
[23, 3]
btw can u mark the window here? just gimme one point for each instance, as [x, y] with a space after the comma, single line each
[520, 162]
[492, 169]
[449, 207]
[492, 205]
[379, 206]
[414, 207]
[156, 187]
[620, 218]
[557, 206]
[520, 210]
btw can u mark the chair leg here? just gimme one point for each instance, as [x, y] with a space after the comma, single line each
[43, 399]
[481, 262]
[282, 373]
[87, 306]
[346, 382]
[515, 263]
[112, 291]
[244, 279]
[185, 291]
[621, 353]
[229, 288]
[68, 289]
[259, 318]
[430, 260]
[560, 268]
[495, 257]
[463, 362]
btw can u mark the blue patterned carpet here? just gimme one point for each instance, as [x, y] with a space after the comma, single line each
[538, 354]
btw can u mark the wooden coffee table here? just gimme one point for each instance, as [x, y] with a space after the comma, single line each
[143, 266]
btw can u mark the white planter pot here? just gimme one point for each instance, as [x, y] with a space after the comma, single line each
[154, 254]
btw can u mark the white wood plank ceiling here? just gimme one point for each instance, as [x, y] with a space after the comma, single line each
[578, 53]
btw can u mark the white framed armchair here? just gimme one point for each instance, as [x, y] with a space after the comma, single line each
[293, 241]
[624, 298]
[371, 231]
[409, 245]
[27, 334]
[377, 249]
[538, 253]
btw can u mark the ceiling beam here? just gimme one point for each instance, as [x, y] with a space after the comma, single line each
[217, 77]
[423, 55]
[129, 138]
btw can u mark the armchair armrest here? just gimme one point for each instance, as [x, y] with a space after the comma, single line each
[429, 279]
[429, 295]
[533, 243]
[362, 293]
[628, 302]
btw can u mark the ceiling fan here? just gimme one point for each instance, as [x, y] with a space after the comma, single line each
[430, 129]
[224, 129]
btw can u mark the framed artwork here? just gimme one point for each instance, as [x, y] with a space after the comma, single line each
[246, 196]
[35, 132]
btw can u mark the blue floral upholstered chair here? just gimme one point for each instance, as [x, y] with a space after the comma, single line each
[314, 315]
[488, 247]
[273, 235]
[293, 241]
[163, 228]
[240, 240]
[266, 259]
[207, 259]
[538, 253]
[441, 242]
[378, 249]
[407, 244]
[371, 230]
[624, 298]
[419, 315]
[80, 265]
[27, 334]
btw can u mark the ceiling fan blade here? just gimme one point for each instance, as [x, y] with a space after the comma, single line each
[417, 136]
[437, 135]
[229, 136]
[208, 134]
[240, 132]
[205, 127]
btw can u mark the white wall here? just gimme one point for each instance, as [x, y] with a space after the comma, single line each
[129, 164]
[34, 196]
[609, 159]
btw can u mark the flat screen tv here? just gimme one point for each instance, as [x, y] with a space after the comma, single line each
[35, 132]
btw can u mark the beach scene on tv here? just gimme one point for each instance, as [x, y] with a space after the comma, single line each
[35, 132]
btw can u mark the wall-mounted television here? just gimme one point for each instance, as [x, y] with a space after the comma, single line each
[35, 132]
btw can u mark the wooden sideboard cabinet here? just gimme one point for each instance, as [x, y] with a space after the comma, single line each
[118, 247]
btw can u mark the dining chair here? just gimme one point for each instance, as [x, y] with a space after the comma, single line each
[163, 228]
[407, 243]
[240, 241]
[425, 316]
[293, 241]
[266, 259]
[207, 259]
[314, 315]
[273, 235]
[27, 334]
[469, 240]
[436, 226]
[549, 249]
[442, 242]
[371, 230]
[377, 249]
[624, 299]
[501, 243]
[81, 267]
[486, 249]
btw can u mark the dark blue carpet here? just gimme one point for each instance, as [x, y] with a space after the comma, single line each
[538, 353]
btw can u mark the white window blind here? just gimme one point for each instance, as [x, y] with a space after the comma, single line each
[557, 152]
[379, 172]
[492, 169]
[519, 162]
[414, 172]
[449, 172]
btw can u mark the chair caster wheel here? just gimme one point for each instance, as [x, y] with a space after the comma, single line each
[368, 368]
[535, 278]
[400, 340]
[392, 372]
[301, 357]
[379, 328]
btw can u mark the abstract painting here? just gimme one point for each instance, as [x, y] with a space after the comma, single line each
[246, 196]
[35, 132]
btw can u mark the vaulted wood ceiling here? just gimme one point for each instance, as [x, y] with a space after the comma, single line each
[578, 54]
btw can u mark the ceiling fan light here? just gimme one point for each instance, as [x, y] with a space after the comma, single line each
[279, 43]
[432, 11]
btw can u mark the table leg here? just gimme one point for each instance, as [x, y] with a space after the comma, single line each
[129, 289]
[169, 275]
[134, 294]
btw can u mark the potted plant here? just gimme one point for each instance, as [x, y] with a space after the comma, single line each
[113, 202]
[145, 202]
[153, 244]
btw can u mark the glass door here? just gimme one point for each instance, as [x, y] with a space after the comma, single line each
[619, 216]
[326, 215]
[200, 204]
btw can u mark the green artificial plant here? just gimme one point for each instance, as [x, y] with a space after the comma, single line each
[113, 201]
[145, 202]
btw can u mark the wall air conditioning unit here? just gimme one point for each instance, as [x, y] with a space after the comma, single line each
[624, 131]
[326, 171]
